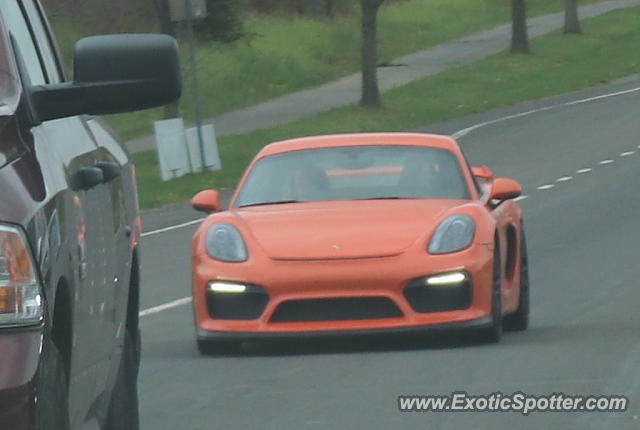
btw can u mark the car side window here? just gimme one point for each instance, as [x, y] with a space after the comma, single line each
[19, 29]
[42, 36]
[480, 190]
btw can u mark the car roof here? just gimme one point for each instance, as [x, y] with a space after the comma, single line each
[360, 139]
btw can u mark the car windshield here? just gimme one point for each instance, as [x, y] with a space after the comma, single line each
[354, 173]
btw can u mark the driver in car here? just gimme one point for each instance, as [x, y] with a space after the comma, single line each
[307, 183]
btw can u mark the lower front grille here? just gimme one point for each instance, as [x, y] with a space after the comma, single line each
[336, 309]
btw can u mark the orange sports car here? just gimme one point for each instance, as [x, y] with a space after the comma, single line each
[351, 234]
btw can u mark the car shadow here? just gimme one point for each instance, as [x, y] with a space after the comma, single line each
[355, 345]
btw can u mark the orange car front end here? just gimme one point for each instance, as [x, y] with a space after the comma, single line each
[321, 283]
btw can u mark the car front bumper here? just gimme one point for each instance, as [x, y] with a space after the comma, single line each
[382, 278]
[20, 356]
[236, 336]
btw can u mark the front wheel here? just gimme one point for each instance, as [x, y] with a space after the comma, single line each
[493, 333]
[53, 389]
[519, 320]
[123, 410]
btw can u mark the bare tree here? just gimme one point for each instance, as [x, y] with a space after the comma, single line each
[370, 90]
[164, 17]
[315, 8]
[167, 27]
[330, 8]
[571, 20]
[519, 35]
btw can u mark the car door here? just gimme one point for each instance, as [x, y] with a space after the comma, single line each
[94, 256]
[114, 162]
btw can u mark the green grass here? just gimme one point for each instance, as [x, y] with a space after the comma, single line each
[560, 64]
[283, 54]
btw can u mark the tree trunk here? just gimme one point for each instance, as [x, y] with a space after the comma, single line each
[164, 17]
[314, 8]
[330, 8]
[370, 91]
[519, 36]
[571, 20]
[167, 27]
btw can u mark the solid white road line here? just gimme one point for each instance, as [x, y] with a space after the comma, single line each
[173, 227]
[164, 307]
[604, 96]
[468, 130]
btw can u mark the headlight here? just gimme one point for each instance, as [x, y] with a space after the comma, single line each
[453, 234]
[225, 243]
[20, 293]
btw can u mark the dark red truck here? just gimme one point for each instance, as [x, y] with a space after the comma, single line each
[69, 222]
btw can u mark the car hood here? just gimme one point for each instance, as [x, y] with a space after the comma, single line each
[342, 230]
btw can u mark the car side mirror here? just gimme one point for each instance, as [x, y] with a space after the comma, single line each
[482, 172]
[207, 201]
[114, 74]
[505, 189]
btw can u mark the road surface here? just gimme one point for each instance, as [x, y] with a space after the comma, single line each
[579, 165]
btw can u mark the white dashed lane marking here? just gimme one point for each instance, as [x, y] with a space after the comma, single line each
[586, 170]
[545, 187]
[564, 179]
[626, 154]
[605, 162]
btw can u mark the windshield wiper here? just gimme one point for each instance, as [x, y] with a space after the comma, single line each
[277, 202]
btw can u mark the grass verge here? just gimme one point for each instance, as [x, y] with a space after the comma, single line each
[560, 63]
[283, 54]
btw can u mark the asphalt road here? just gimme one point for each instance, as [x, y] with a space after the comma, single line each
[583, 235]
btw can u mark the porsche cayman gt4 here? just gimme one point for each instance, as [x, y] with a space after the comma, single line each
[350, 234]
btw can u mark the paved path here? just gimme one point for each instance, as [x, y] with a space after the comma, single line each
[346, 90]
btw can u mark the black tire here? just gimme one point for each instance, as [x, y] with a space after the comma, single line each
[217, 347]
[519, 320]
[53, 390]
[123, 408]
[493, 333]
